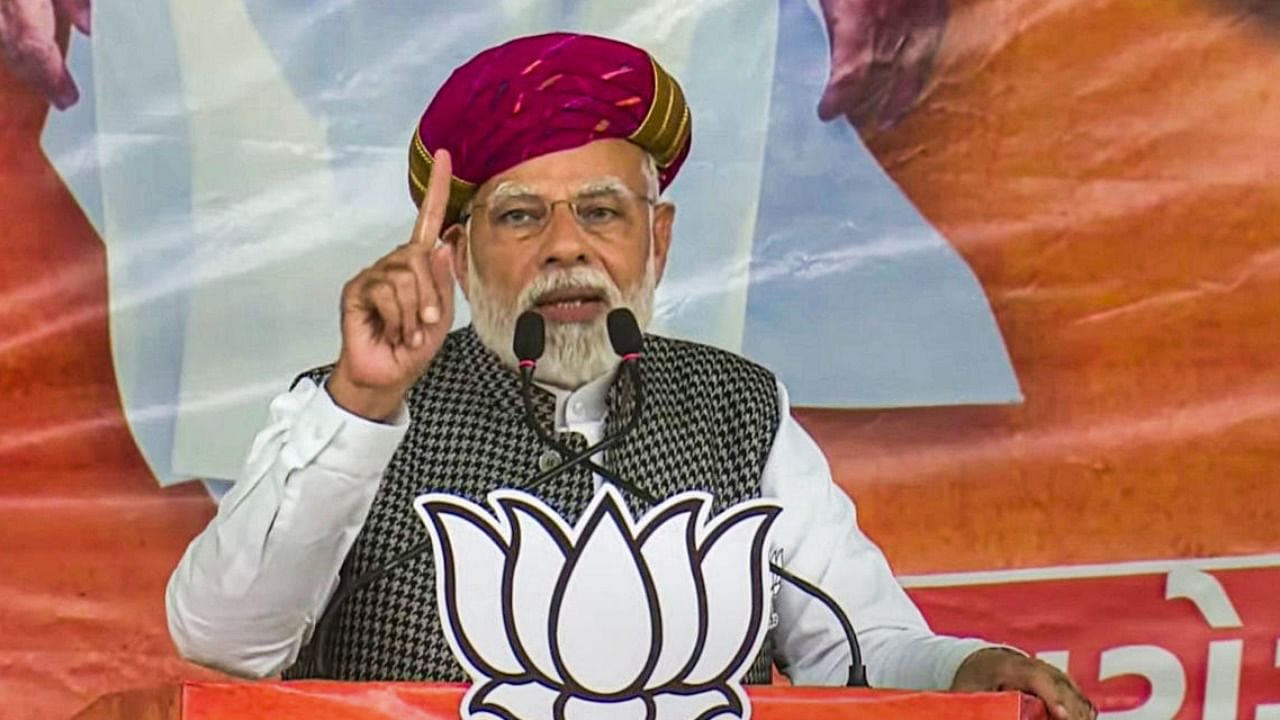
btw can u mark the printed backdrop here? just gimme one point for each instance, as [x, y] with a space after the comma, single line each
[1019, 260]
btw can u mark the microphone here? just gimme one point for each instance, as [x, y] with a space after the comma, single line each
[530, 340]
[624, 334]
[627, 341]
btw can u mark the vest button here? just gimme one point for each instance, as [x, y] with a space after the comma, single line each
[548, 460]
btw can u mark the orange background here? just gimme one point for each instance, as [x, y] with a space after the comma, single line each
[1108, 169]
[1111, 172]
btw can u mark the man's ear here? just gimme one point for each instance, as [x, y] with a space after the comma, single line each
[664, 219]
[456, 237]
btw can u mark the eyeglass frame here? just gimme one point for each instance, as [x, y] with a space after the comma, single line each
[465, 217]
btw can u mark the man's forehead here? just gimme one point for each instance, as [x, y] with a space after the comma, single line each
[611, 159]
[600, 184]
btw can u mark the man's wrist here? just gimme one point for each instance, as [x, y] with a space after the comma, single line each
[975, 672]
[375, 404]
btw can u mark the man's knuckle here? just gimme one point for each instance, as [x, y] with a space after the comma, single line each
[403, 278]
[420, 264]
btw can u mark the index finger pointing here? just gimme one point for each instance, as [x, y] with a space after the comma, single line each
[436, 201]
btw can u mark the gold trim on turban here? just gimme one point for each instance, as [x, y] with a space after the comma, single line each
[665, 128]
[420, 162]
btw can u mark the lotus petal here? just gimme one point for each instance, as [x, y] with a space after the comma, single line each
[576, 708]
[511, 701]
[717, 703]
[733, 569]
[470, 558]
[604, 610]
[667, 545]
[538, 548]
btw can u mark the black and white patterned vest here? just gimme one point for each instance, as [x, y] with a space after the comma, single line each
[708, 423]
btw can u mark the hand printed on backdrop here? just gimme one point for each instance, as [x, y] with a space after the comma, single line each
[881, 53]
[28, 43]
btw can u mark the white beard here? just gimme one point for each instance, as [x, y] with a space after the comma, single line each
[576, 353]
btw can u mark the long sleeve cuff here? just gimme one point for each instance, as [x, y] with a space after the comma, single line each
[346, 443]
[951, 655]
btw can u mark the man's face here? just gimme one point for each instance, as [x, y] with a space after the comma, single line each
[571, 235]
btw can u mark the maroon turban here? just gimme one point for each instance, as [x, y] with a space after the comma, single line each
[537, 95]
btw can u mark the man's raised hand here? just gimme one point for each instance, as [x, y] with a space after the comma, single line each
[397, 312]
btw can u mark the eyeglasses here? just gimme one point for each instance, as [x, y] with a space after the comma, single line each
[518, 217]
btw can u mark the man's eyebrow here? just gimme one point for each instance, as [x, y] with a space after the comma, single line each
[604, 186]
[592, 188]
[510, 189]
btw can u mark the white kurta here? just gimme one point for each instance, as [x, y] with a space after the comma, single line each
[248, 591]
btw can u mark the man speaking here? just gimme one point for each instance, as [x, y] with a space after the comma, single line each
[538, 169]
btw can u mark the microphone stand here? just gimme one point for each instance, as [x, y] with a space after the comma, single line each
[857, 671]
[583, 458]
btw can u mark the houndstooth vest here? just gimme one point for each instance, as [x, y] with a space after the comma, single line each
[708, 423]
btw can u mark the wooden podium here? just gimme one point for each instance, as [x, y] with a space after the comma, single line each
[417, 701]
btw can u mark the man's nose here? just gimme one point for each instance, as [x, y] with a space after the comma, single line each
[565, 243]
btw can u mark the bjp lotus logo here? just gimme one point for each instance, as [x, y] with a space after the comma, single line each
[612, 618]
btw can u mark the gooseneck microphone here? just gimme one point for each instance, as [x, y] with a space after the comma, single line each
[624, 334]
[627, 341]
[529, 341]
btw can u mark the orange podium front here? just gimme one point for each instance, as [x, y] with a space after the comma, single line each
[421, 701]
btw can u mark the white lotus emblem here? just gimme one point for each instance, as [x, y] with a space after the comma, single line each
[608, 619]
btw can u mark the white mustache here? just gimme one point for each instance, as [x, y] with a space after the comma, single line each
[580, 278]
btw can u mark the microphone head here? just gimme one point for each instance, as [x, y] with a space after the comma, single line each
[530, 338]
[624, 332]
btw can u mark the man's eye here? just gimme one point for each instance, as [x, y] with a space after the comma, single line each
[517, 216]
[599, 213]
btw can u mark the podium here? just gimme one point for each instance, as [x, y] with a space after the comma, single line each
[420, 701]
